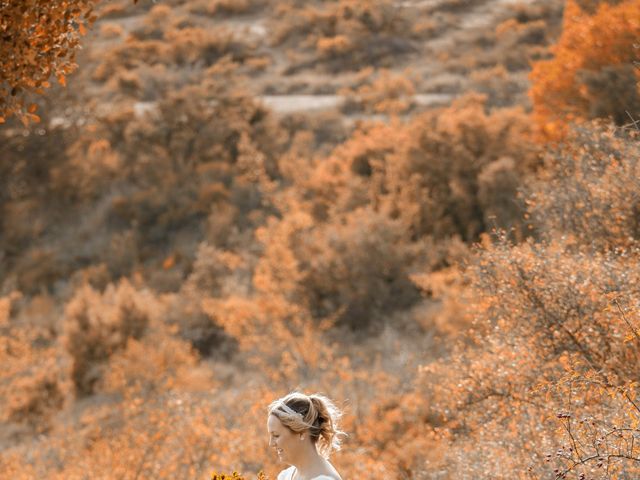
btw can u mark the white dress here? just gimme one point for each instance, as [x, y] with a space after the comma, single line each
[287, 474]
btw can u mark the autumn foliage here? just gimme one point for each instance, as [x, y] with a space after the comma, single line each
[174, 254]
[346, 34]
[592, 73]
[38, 41]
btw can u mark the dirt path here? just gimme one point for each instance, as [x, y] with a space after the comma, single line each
[306, 103]
[286, 104]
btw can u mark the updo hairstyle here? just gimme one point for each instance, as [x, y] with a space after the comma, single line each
[315, 413]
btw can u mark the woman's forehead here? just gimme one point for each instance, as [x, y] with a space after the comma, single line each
[274, 424]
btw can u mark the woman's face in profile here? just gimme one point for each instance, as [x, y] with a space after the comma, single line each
[283, 440]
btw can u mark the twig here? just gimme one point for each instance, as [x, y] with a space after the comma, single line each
[624, 317]
[607, 457]
[634, 122]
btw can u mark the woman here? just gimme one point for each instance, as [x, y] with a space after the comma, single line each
[303, 429]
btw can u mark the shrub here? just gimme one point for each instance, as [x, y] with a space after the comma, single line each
[427, 173]
[551, 362]
[164, 40]
[184, 313]
[518, 44]
[133, 54]
[589, 187]
[352, 269]
[313, 134]
[39, 268]
[345, 34]
[151, 365]
[31, 384]
[34, 396]
[382, 92]
[539, 309]
[516, 35]
[612, 93]
[111, 30]
[97, 325]
[170, 431]
[591, 49]
[200, 45]
[501, 206]
[444, 156]
[502, 88]
[270, 330]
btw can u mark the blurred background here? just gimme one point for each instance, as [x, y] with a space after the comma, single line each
[428, 210]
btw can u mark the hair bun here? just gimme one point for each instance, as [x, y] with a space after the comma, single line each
[316, 413]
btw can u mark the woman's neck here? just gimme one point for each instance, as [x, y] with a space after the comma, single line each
[308, 465]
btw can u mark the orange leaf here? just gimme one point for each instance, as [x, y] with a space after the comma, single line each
[169, 262]
[62, 80]
[32, 108]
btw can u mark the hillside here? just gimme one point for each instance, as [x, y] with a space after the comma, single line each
[230, 200]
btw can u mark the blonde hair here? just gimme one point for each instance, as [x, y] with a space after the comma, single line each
[316, 413]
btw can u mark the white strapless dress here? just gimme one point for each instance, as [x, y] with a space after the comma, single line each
[287, 474]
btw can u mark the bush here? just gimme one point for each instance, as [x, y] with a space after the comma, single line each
[352, 270]
[502, 88]
[199, 45]
[427, 173]
[444, 157]
[31, 381]
[591, 50]
[550, 364]
[589, 188]
[520, 43]
[383, 92]
[346, 34]
[97, 325]
[193, 325]
[34, 397]
[152, 365]
[612, 93]
[165, 40]
[540, 312]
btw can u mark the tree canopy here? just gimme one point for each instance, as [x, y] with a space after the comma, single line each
[38, 39]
